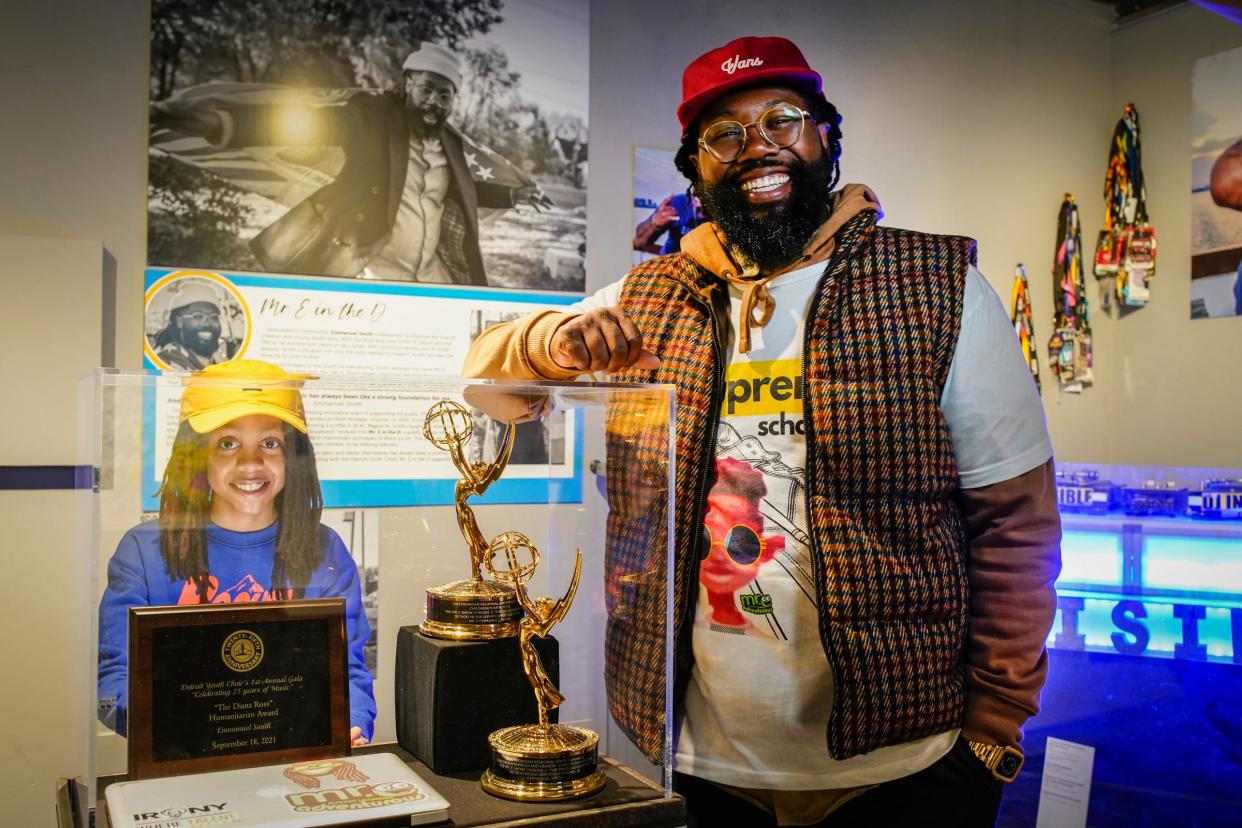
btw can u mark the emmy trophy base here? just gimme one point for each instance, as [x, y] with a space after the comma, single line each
[530, 762]
[471, 611]
[451, 695]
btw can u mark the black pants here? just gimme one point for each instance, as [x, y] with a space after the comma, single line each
[957, 790]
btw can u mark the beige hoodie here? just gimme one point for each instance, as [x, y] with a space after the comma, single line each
[521, 349]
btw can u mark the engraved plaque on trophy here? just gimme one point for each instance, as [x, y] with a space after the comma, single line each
[541, 761]
[475, 609]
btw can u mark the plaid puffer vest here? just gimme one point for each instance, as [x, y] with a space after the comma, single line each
[889, 544]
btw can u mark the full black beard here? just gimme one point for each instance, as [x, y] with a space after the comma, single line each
[770, 236]
[190, 339]
[418, 122]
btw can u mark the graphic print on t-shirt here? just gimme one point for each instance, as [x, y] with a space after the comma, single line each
[247, 590]
[735, 547]
[756, 507]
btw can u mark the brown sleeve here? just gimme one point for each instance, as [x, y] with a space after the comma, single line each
[1014, 560]
[518, 349]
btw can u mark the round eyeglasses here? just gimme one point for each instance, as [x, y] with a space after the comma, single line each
[427, 94]
[743, 544]
[200, 318]
[780, 126]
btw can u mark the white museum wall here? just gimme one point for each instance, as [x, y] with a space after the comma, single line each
[53, 333]
[1176, 382]
[974, 118]
[968, 117]
[73, 90]
[971, 118]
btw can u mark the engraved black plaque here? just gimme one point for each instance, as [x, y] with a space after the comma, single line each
[473, 612]
[226, 686]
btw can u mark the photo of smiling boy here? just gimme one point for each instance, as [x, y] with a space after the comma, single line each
[239, 522]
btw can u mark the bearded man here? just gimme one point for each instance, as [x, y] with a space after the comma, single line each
[872, 377]
[191, 339]
[404, 205]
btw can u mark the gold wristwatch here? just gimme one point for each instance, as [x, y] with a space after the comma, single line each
[1002, 760]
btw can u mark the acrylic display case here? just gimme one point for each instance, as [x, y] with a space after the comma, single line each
[1145, 665]
[591, 471]
[1145, 652]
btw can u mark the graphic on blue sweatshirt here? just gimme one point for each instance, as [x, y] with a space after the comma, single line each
[247, 590]
[242, 562]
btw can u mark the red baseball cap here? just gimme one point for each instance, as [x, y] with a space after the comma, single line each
[744, 62]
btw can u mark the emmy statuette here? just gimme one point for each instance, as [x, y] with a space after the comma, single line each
[540, 761]
[475, 609]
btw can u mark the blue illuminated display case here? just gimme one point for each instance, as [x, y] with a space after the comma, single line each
[1145, 652]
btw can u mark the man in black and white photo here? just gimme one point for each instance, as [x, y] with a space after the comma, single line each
[191, 339]
[404, 206]
[372, 139]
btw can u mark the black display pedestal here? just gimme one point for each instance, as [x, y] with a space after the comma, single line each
[451, 694]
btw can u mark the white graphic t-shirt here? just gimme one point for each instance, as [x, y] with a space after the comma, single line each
[756, 709]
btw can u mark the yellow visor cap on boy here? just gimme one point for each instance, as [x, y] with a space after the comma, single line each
[221, 393]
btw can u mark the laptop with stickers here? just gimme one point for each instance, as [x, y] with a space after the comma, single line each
[345, 791]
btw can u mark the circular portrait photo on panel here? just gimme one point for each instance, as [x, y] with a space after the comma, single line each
[194, 319]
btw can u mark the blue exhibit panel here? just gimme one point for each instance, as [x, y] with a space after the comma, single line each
[365, 493]
[362, 286]
[359, 494]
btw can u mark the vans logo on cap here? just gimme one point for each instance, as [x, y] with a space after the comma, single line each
[738, 62]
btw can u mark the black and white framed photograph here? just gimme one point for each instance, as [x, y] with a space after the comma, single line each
[372, 139]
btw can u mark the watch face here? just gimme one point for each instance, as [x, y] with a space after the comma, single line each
[1009, 765]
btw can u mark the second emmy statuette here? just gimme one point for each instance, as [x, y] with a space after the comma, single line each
[475, 609]
[540, 761]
